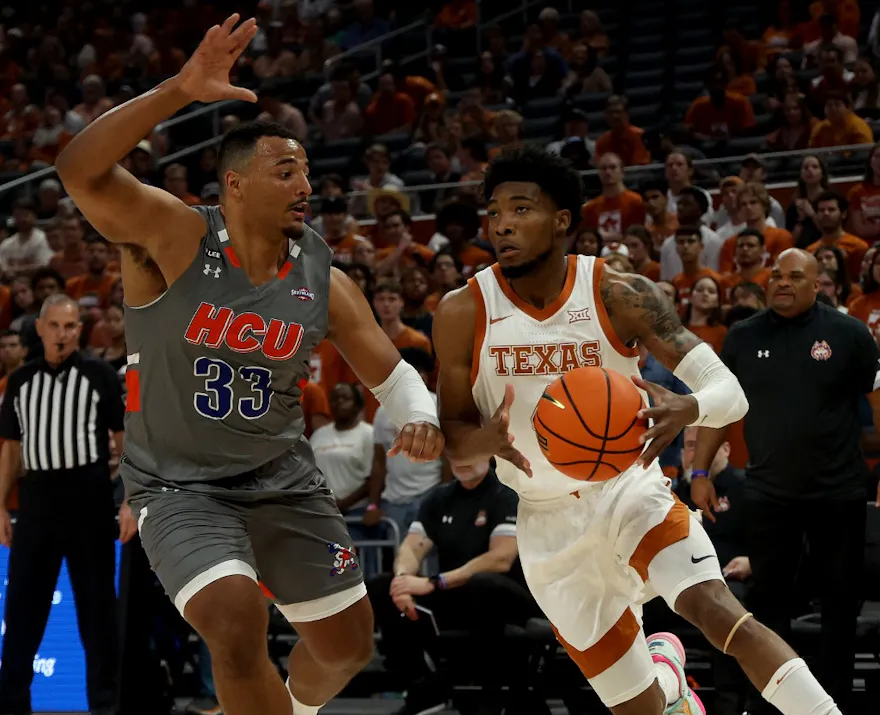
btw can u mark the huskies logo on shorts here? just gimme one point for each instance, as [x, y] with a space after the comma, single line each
[343, 558]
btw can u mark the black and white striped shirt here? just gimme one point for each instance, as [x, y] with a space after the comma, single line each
[62, 416]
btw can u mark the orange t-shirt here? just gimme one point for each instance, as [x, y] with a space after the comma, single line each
[752, 53]
[614, 214]
[732, 280]
[84, 285]
[5, 307]
[776, 240]
[865, 198]
[433, 300]
[732, 119]
[472, 256]
[684, 283]
[314, 403]
[413, 255]
[712, 335]
[853, 249]
[343, 249]
[651, 271]
[661, 231]
[848, 14]
[854, 130]
[456, 15]
[409, 338]
[385, 114]
[68, 268]
[867, 309]
[744, 85]
[628, 145]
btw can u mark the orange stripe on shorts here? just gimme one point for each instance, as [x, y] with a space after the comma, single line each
[132, 390]
[609, 649]
[675, 527]
[266, 592]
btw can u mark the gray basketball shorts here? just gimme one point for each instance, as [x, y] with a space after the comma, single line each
[293, 542]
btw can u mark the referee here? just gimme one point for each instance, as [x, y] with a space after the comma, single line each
[804, 367]
[55, 419]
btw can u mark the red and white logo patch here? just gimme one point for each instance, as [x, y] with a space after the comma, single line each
[821, 351]
[302, 294]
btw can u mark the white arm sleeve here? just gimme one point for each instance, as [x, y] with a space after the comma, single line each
[405, 397]
[718, 393]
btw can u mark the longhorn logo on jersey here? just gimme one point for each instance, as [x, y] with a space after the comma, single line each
[214, 326]
[544, 359]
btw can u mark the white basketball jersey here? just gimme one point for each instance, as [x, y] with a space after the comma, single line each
[529, 348]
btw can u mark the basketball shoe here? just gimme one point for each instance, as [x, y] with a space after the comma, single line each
[666, 648]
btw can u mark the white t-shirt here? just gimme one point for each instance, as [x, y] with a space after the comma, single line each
[33, 252]
[404, 480]
[776, 217]
[345, 457]
[670, 263]
[728, 229]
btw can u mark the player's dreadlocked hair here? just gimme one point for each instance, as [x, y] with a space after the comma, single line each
[554, 176]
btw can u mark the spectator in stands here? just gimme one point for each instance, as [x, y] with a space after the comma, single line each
[477, 564]
[508, 129]
[458, 228]
[692, 207]
[618, 262]
[833, 77]
[177, 184]
[727, 219]
[679, 173]
[492, 80]
[276, 62]
[367, 27]
[27, 249]
[340, 117]
[446, 272]
[592, 34]
[362, 277]
[830, 36]
[754, 205]
[841, 126]
[617, 208]
[391, 110]
[397, 488]
[749, 258]
[830, 287]
[865, 90]
[831, 259]
[12, 355]
[748, 295]
[864, 201]
[71, 260]
[439, 163]
[24, 306]
[866, 307]
[783, 82]
[457, 15]
[753, 170]
[336, 231]
[750, 52]
[473, 158]
[720, 115]
[796, 128]
[805, 484]
[660, 221]
[830, 211]
[585, 75]
[210, 194]
[316, 407]
[638, 244]
[365, 255]
[386, 200]
[401, 249]
[576, 131]
[344, 72]
[703, 313]
[285, 114]
[551, 35]
[738, 80]
[48, 199]
[50, 137]
[142, 162]
[388, 305]
[97, 280]
[95, 102]
[23, 118]
[688, 245]
[622, 139]
[800, 217]
[782, 35]
[431, 125]
[441, 75]
[415, 86]
[476, 120]
[415, 313]
[378, 162]
[537, 73]
[316, 49]
[114, 352]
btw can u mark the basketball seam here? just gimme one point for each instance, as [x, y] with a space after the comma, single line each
[604, 437]
[584, 461]
[583, 446]
[623, 434]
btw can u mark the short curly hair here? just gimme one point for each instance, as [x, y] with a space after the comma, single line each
[556, 177]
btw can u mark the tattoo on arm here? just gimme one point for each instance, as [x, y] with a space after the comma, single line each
[639, 309]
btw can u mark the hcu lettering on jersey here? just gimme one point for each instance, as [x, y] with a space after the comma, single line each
[247, 332]
[547, 359]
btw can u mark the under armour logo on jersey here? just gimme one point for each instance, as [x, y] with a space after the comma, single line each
[215, 271]
[763, 353]
[446, 519]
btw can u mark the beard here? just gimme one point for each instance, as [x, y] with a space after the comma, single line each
[294, 232]
[527, 268]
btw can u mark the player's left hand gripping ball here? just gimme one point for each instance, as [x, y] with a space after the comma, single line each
[671, 413]
[419, 442]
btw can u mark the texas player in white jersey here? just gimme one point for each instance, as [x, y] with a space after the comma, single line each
[593, 552]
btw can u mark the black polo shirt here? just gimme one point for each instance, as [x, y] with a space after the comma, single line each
[803, 378]
[62, 416]
[462, 521]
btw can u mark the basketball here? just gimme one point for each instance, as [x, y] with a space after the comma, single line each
[587, 425]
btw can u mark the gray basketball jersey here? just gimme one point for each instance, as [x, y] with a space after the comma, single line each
[216, 365]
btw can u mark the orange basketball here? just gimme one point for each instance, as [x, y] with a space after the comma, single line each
[587, 424]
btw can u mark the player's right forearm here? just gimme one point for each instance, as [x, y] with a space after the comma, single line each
[10, 468]
[465, 442]
[97, 148]
[709, 441]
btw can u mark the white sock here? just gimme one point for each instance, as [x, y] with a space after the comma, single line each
[669, 682]
[794, 690]
[298, 707]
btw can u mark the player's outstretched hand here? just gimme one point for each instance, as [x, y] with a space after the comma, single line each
[498, 437]
[671, 414]
[419, 442]
[205, 77]
[703, 495]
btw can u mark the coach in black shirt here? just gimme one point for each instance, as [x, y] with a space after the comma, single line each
[57, 415]
[803, 366]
